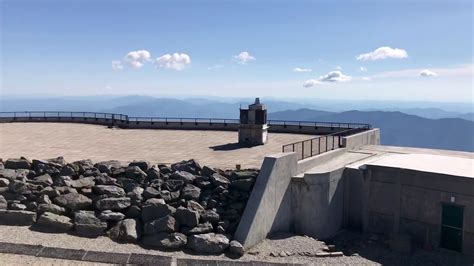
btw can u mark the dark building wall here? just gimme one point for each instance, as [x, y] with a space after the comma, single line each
[392, 200]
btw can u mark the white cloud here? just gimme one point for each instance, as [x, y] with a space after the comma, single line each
[311, 83]
[215, 67]
[297, 69]
[466, 70]
[363, 69]
[136, 59]
[244, 57]
[383, 53]
[428, 73]
[175, 61]
[366, 79]
[117, 65]
[335, 76]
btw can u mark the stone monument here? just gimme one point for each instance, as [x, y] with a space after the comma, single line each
[253, 127]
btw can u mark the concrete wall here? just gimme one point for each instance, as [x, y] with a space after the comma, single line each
[268, 208]
[317, 204]
[396, 200]
[370, 137]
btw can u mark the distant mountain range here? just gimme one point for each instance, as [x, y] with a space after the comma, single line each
[427, 127]
[399, 129]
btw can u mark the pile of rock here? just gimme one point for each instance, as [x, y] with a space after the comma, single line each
[176, 206]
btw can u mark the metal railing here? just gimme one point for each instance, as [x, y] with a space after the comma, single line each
[62, 114]
[315, 146]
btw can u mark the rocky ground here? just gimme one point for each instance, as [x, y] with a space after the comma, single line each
[182, 205]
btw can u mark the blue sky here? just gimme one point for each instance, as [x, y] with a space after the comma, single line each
[378, 50]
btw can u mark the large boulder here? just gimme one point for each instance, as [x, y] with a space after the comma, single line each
[9, 174]
[186, 217]
[166, 240]
[44, 180]
[21, 163]
[208, 243]
[55, 222]
[207, 171]
[219, 180]
[4, 182]
[155, 208]
[143, 165]
[166, 224]
[73, 201]
[210, 216]
[135, 173]
[151, 192]
[110, 191]
[114, 204]
[11, 217]
[190, 166]
[17, 186]
[109, 215]
[236, 248]
[51, 208]
[173, 184]
[87, 224]
[191, 192]
[85, 182]
[184, 176]
[199, 229]
[126, 231]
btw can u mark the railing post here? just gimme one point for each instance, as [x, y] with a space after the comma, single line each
[319, 145]
[326, 144]
[302, 150]
[311, 153]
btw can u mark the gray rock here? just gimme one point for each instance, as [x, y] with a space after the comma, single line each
[44, 180]
[186, 217]
[135, 173]
[52, 208]
[134, 212]
[193, 205]
[190, 166]
[21, 163]
[245, 174]
[44, 199]
[9, 174]
[109, 215]
[236, 248]
[87, 224]
[85, 182]
[219, 180]
[243, 184]
[114, 204]
[111, 191]
[106, 166]
[3, 203]
[68, 170]
[155, 208]
[166, 241]
[11, 217]
[208, 243]
[126, 231]
[50, 192]
[199, 229]
[173, 184]
[55, 222]
[191, 192]
[166, 195]
[17, 206]
[210, 216]
[166, 224]
[4, 182]
[153, 174]
[17, 186]
[150, 192]
[183, 176]
[73, 201]
[143, 165]
[206, 171]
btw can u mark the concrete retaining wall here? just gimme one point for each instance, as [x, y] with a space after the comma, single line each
[370, 137]
[268, 208]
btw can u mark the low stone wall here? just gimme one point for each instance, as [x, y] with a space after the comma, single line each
[176, 206]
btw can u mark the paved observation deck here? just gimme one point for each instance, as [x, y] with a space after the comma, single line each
[99, 143]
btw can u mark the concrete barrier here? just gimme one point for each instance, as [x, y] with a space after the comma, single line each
[268, 208]
[369, 137]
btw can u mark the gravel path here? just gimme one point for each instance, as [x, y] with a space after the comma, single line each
[358, 249]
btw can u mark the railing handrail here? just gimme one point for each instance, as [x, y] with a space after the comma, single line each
[118, 116]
